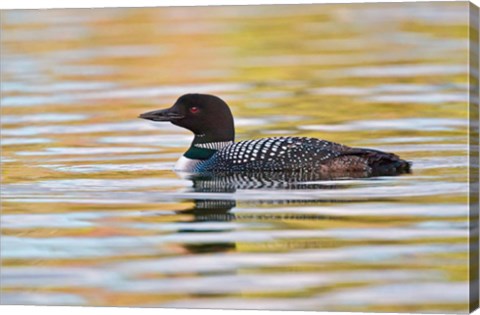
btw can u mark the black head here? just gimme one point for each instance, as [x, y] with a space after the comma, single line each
[207, 116]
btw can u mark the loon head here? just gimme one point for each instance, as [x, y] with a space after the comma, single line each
[207, 116]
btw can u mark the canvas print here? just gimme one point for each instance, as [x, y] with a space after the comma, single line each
[318, 157]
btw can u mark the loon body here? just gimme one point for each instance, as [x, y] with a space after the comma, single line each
[213, 149]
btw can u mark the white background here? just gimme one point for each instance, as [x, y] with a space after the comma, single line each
[43, 4]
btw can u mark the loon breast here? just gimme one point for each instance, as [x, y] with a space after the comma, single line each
[185, 164]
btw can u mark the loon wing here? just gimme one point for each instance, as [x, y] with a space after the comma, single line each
[274, 154]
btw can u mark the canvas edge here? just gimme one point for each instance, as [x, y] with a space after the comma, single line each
[473, 143]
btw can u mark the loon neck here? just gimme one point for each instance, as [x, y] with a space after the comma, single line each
[203, 147]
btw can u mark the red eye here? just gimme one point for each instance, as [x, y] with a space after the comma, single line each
[194, 109]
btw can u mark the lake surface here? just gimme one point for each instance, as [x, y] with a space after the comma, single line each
[92, 213]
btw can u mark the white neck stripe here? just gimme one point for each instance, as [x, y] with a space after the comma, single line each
[213, 145]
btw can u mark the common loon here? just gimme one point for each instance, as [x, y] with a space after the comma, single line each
[213, 148]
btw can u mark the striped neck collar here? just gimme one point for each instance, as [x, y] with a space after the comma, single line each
[213, 145]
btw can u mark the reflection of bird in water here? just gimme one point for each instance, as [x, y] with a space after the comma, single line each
[216, 208]
[209, 210]
[294, 180]
[217, 199]
[213, 149]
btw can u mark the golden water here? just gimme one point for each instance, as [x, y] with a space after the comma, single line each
[93, 215]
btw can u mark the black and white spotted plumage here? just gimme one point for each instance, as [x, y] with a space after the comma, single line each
[271, 154]
[297, 154]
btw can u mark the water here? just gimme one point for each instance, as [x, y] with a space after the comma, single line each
[94, 215]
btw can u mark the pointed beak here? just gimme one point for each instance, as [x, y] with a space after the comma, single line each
[161, 115]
